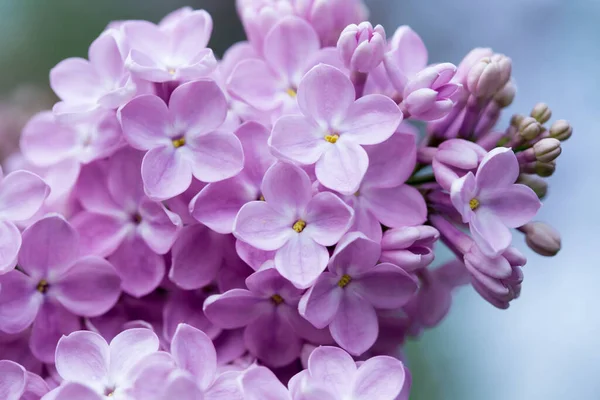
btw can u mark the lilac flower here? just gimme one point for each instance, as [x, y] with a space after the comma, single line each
[174, 51]
[119, 221]
[345, 297]
[183, 306]
[21, 196]
[454, 158]
[407, 57]
[382, 197]
[362, 47]
[491, 203]
[294, 222]
[182, 140]
[333, 128]
[333, 375]
[268, 310]
[54, 286]
[114, 366]
[16, 383]
[86, 86]
[218, 203]
[15, 347]
[410, 247]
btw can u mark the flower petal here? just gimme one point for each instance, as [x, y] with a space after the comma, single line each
[379, 377]
[146, 122]
[354, 255]
[253, 82]
[21, 195]
[166, 173]
[263, 227]
[321, 302]
[298, 138]
[215, 156]
[333, 368]
[391, 162]
[234, 309]
[515, 205]
[159, 227]
[73, 390]
[386, 286]
[124, 178]
[371, 119]
[490, 234]
[194, 352]
[52, 322]
[498, 169]
[272, 340]
[99, 234]
[260, 383]
[355, 326]
[19, 302]
[83, 357]
[12, 380]
[76, 80]
[395, 207]
[342, 167]
[327, 218]
[127, 349]
[287, 188]
[301, 260]
[198, 107]
[44, 149]
[10, 243]
[89, 288]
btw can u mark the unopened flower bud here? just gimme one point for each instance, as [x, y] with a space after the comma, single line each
[561, 130]
[545, 169]
[410, 247]
[516, 120]
[529, 128]
[542, 238]
[362, 47]
[538, 185]
[506, 95]
[541, 112]
[489, 75]
[547, 150]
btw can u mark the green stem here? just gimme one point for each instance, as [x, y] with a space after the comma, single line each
[418, 180]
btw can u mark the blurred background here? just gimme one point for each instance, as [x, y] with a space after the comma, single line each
[547, 345]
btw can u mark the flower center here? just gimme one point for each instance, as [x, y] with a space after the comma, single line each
[277, 299]
[344, 281]
[332, 138]
[136, 218]
[177, 143]
[291, 92]
[109, 392]
[474, 203]
[299, 226]
[42, 286]
[261, 198]
[171, 71]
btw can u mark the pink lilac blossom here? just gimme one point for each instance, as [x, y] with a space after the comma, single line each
[262, 226]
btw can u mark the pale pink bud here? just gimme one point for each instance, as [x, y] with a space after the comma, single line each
[362, 47]
[542, 238]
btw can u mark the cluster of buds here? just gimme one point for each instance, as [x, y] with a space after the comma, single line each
[260, 226]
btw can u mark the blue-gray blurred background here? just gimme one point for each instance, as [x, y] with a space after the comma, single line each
[547, 345]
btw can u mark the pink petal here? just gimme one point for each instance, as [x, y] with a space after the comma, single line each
[141, 270]
[194, 352]
[355, 327]
[515, 205]
[91, 190]
[215, 156]
[159, 227]
[287, 188]
[301, 260]
[10, 243]
[52, 322]
[105, 56]
[342, 167]
[182, 386]
[325, 94]
[371, 119]
[272, 340]
[72, 390]
[50, 246]
[408, 56]
[252, 256]
[99, 234]
[146, 122]
[333, 368]
[260, 383]
[354, 255]
[43, 149]
[127, 349]
[299, 139]
[391, 162]
[83, 357]
[12, 380]
[257, 157]
[182, 306]
[380, 377]
[386, 286]
[226, 387]
[21, 195]
[124, 178]
[287, 45]
[321, 302]
[19, 302]
[76, 80]
[235, 308]
[166, 173]
[198, 107]
[196, 257]
[262, 226]
[498, 169]
[327, 218]
[89, 288]
[462, 191]
[36, 387]
[395, 207]
[253, 82]
[193, 32]
[490, 234]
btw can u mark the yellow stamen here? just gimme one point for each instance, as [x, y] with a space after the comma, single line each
[277, 299]
[42, 286]
[178, 142]
[171, 71]
[291, 92]
[357, 193]
[299, 226]
[261, 198]
[332, 138]
[344, 281]
[474, 203]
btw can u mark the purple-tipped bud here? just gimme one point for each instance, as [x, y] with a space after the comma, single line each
[538, 185]
[561, 130]
[362, 47]
[489, 75]
[529, 128]
[542, 238]
[506, 95]
[430, 95]
[541, 112]
[547, 150]
[410, 248]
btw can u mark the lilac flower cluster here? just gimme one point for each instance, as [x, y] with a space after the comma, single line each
[260, 226]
